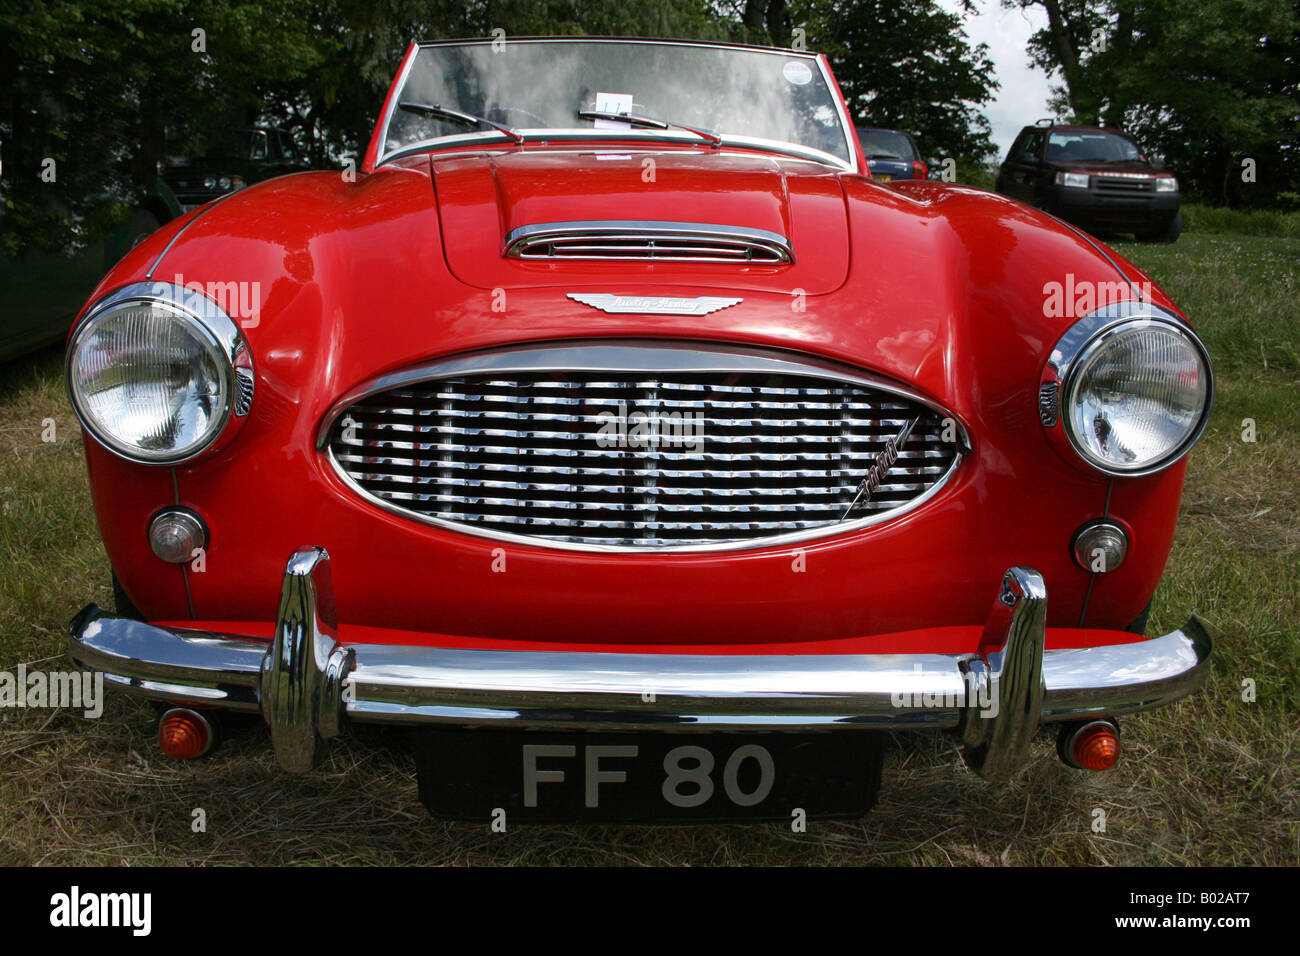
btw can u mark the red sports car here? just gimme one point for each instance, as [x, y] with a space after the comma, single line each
[613, 431]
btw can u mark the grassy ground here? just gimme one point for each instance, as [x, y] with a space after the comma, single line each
[1211, 780]
[1252, 222]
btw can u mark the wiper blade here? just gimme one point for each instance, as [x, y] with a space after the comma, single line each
[649, 122]
[446, 112]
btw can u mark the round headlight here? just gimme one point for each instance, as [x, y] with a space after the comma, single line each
[152, 376]
[1137, 396]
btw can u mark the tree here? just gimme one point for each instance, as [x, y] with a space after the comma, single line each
[106, 90]
[767, 21]
[907, 64]
[1075, 29]
[1207, 87]
[101, 92]
[336, 100]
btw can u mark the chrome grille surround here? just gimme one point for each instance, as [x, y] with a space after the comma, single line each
[503, 445]
[648, 240]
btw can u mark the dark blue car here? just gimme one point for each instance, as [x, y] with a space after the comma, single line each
[891, 154]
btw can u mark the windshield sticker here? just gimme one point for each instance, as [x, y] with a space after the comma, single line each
[797, 72]
[613, 103]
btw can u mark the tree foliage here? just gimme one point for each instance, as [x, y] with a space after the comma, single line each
[106, 89]
[1213, 88]
[97, 94]
[907, 64]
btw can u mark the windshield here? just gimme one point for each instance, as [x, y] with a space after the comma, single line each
[1078, 146]
[245, 144]
[885, 144]
[540, 85]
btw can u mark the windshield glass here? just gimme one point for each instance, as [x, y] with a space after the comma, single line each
[245, 144]
[539, 85]
[1078, 146]
[885, 144]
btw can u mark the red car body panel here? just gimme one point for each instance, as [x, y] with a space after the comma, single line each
[401, 267]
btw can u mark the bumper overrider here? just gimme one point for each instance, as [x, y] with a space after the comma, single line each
[306, 684]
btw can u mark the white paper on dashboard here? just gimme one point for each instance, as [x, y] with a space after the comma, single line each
[613, 103]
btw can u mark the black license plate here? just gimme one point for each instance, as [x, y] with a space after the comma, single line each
[543, 777]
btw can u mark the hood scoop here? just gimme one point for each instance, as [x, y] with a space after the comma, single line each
[550, 217]
[640, 240]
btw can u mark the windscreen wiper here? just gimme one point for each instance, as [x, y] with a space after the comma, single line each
[469, 119]
[649, 122]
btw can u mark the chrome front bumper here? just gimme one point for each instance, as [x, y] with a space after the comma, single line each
[305, 682]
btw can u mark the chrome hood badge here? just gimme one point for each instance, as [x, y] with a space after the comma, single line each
[653, 304]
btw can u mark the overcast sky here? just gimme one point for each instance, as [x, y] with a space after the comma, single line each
[1022, 98]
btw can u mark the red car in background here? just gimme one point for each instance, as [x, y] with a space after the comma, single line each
[583, 434]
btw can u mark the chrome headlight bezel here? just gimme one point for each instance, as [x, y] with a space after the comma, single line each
[1080, 341]
[214, 329]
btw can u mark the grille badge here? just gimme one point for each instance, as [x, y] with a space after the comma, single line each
[654, 304]
[884, 461]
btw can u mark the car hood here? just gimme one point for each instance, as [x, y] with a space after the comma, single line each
[481, 198]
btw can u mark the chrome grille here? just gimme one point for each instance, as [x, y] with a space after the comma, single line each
[676, 241]
[740, 456]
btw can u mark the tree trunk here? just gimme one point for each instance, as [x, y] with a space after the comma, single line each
[152, 143]
[778, 24]
[755, 12]
[1117, 104]
[1069, 58]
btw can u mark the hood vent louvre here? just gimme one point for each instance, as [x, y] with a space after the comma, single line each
[636, 241]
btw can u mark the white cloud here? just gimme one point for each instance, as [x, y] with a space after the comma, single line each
[1022, 98]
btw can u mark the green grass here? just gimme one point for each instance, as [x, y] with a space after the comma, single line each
[1242, 222]
[1210, 780]
[1239, 291]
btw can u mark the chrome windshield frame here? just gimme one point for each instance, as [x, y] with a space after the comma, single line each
[491, 138]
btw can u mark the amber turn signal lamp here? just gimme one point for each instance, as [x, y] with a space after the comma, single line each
[184, 734]
[1090, 746]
